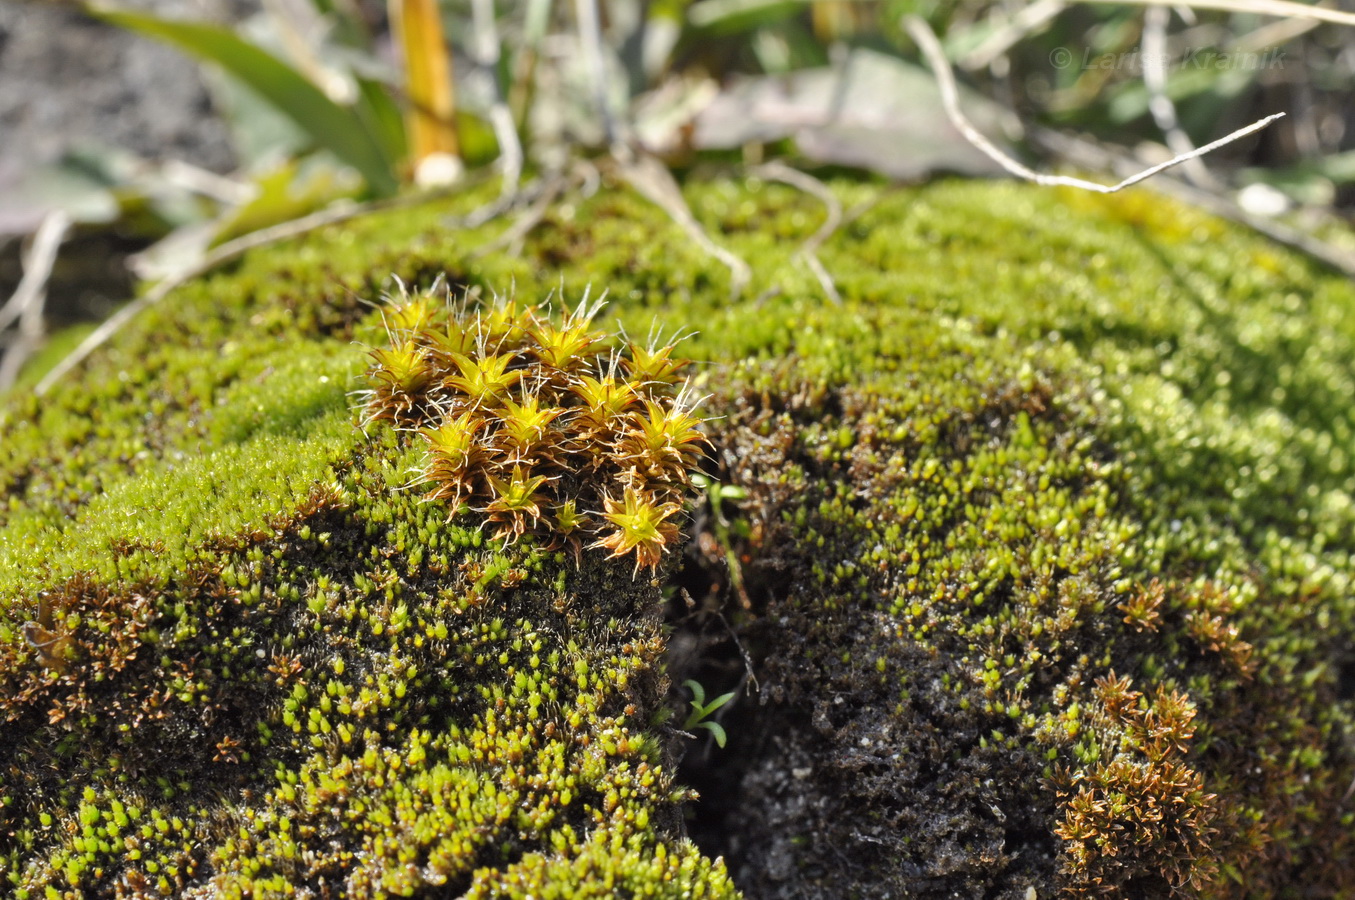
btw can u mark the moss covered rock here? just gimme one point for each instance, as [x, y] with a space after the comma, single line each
[1039, 546]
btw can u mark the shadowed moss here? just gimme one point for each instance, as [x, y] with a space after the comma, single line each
[1046, 545]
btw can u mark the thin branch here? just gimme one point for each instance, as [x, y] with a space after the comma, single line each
[26, 304]
[500, 117]
[224, 253]
[522, 82]
[295, 24]
[531, 217]
[1091, 156]
[1284, 9]
[208, 184]
[38, 264]
[26, 341]
[1273, 34]
[748, 674]
[653, 180]
[777, 171]
[1026, 21]
[1155, 21]
[950, 100]
[503, 204]
[590, 37]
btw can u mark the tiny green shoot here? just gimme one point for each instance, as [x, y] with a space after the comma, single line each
[701, 710]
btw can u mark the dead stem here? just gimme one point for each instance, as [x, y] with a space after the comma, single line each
[222, 254]
[936, 59]
[653, 180]
[777, 171]
[26, 305]
[550, 189]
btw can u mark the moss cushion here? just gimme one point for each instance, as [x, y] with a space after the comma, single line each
[1039, 544]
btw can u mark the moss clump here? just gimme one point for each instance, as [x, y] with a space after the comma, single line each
[537, 426]
[239, 656]
[1046, 542]
[1008, 477]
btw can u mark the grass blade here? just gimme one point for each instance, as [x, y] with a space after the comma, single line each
[334, 127]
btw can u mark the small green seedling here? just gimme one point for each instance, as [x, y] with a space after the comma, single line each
[701, 709]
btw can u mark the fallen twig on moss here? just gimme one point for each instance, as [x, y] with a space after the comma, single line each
[1084, 153]
[653, 180]
[545, 192]
[222, 254]
[777, 171]
[26, 304]
[936, 59]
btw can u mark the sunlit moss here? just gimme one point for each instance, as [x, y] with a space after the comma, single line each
[1047, 443]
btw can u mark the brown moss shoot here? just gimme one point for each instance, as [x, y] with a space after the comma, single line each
[544, 425]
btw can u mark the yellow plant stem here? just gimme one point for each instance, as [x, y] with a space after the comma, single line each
[430, 117]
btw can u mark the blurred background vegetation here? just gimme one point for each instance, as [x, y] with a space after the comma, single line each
[307, 105]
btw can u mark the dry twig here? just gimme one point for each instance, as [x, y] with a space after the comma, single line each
[936, 58]
[1028, 19]
[500, 117]
[590, 38]
[531, 217]
[1155, 20]
[224, 253]
[26, 305]
[1284, 9]
[777, 171]
[653, 180]
[1087, 155]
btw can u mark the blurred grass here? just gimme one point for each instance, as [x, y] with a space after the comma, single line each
[1076, 67]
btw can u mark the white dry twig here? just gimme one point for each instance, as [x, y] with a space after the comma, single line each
[1087, 155]
[936, 59]
[590, 36]
[1283, 9]
[1028, 19]
[38, 262]
[777, 171]
[1273, 34]
[503, 204]
[26, 304]
[1155, 21]
[224, 253]
[652, 179]
[550, 189]
[486, 45]
[296, 26]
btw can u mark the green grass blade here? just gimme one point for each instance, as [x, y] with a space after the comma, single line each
[720, 701]
[334, 127]
[726, 17]
[719, 732]
[382, 117]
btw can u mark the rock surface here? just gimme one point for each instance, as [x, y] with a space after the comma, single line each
[68, 82]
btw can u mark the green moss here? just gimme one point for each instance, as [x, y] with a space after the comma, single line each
[1048, 442]
[255, 450]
